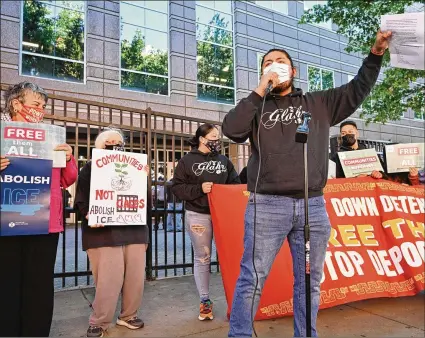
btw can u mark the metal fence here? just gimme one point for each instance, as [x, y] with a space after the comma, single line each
[163, 137]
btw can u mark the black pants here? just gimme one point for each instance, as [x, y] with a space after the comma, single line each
[26, 285]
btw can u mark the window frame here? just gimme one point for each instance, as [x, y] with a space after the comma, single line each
[167, 31]
[321, 76]
[234, 88]
[259, 3]
[21, 52]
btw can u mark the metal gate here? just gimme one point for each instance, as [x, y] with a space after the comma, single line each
[163, 138]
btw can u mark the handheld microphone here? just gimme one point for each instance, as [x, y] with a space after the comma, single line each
[269, 87]
[301, 135]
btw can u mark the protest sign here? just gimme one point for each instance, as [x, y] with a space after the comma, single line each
[331, 169]
[355, 163]
[25, 197]
[118, 188]
[402, 157]
[33, 140]
[376, 246]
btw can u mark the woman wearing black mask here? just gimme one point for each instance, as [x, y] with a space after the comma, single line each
[117, 254]
[194, 177]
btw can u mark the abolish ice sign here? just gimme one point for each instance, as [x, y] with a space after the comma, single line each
[118, 189]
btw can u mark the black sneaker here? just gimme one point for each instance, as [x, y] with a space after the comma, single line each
[95, 331]
[132, 323]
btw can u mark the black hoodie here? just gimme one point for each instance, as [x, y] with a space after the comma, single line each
[196, 168]
[282, 170]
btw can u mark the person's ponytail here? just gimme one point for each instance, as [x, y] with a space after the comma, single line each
[202, 131]
[194, 142]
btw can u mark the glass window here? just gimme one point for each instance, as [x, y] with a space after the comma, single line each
[214, 35]
[420, 114]
[320, 79]
[310, 4]
[53, 39]
[327, 79]
[144, 46]
[275, 5]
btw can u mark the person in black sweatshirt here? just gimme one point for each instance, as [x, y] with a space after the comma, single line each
[194, 178]
[276, 176]
[349, 142]
[243, 175]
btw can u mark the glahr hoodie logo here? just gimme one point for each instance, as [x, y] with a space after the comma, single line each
[212, 167]
[284, 116]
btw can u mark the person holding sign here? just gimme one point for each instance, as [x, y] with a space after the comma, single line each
[408, 178]
[27, 289]
[117, 254]
[349, 135]
[194, 178]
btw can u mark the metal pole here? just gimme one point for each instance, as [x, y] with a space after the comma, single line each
[307, 246]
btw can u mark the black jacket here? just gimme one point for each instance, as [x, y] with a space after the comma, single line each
[335, 158]
[196, 168]
[282, 170]
[109, 235]
[243, 175]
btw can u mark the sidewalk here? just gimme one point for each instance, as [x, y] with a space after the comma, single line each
[170, 307]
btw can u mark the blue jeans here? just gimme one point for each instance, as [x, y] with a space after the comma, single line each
[279, 217]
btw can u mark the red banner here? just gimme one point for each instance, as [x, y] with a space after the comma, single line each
[376, 247]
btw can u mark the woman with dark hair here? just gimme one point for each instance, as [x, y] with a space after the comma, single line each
[28, 262]
[194, 177]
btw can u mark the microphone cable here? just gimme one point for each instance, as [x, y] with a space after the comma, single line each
[268, 90]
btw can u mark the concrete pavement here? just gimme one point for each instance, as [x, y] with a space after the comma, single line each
[170, 307]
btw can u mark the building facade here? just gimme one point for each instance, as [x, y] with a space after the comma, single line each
[109, 61]
[188, 58]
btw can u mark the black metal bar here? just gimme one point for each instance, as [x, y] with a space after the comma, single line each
[148, 143]
[178, 266]
[183, 216]
[173, 161]
[164, 213]
[73, 274]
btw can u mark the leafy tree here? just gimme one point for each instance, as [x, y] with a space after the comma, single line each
[215, 63]
[135, 56]
[58, 34]
[359, 21]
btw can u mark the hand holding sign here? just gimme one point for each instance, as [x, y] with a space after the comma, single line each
[4, 163]
[413, 172]
[376, 174]
[95, 225]
[207, 187]
[67, 148]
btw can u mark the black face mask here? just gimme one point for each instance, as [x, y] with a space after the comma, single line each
[349, 140]
[214, 146]
[116, 147]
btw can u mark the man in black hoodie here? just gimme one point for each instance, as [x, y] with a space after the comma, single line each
[349, 142]
[276, 175]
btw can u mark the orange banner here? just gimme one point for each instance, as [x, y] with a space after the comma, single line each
[376, 247]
